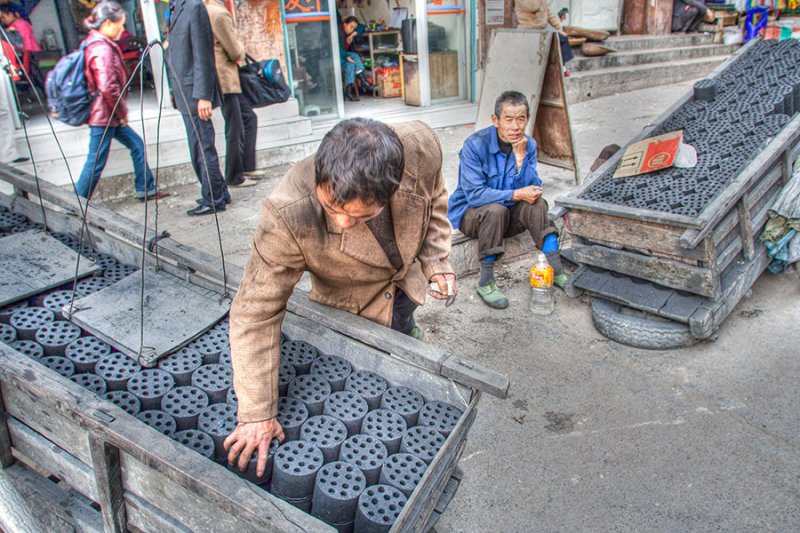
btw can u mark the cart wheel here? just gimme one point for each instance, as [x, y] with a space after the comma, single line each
[640, 330]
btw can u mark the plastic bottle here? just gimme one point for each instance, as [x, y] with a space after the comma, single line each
[542, 298]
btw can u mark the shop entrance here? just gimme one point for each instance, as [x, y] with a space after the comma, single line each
[415, 54]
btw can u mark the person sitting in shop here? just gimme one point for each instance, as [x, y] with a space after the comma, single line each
[11, 16]
[499, 194]
[352, 66]
[687, 15]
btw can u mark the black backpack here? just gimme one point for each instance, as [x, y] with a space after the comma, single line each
[263, 83]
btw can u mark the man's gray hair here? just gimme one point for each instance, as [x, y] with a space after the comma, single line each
[513, 98]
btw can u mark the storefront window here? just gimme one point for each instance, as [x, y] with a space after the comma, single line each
[447, 49]
[309, 35]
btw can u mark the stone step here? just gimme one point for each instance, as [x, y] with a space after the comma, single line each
[630, 43]
[275, 146]
[582, 86]
[74, 140]
[649, 56]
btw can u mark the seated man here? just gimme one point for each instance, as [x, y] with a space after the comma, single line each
[367, 218]
[499, 193]
[687, 15]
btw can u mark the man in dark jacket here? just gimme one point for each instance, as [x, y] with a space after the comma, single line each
[687, 15]
[196, 92]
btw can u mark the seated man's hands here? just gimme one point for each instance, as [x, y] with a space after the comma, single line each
[528, 194]
[447, 287]
[249, 437]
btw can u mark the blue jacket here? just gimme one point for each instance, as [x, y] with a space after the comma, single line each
[487, 176]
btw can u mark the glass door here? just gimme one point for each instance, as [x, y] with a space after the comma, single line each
[447, 50]
[316, 76]
[444, 58]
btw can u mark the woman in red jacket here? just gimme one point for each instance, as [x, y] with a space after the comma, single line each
[106, 73]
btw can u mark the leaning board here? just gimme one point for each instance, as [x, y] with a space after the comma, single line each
[32, 262]
[175, 312]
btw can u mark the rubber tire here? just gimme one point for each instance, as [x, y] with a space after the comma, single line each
[636, 331]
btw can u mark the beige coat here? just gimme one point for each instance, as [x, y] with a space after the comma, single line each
[348, 268]
[535, 14]
[228, 49]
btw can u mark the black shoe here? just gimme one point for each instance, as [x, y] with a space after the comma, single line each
[202, 210]
[20, 160]
[200, 201]
[351, 94]
[366, 86]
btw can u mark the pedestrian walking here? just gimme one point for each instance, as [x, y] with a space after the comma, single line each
[106, 74]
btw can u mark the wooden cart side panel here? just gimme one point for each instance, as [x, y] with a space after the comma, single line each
[668, 273]
[190, 509]
[401, 346]
[44, 396]
[26, 406]
[644, 236]
[6, 458]
[144, 517]
[46, 457]
[364, 357]
[423, 500]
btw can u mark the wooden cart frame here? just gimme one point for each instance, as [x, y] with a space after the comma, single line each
[708, 262]
[145, 481]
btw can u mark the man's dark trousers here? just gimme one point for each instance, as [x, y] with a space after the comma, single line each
[241, 125]
[205, 161]
[491, 224]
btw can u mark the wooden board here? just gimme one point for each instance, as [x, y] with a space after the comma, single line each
[535, 70]
[647, 237]
[33, 262]
[174, 314]
[665, 272]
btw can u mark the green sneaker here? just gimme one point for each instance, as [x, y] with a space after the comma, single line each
[418, 333]
[492, 296]
[560, 280]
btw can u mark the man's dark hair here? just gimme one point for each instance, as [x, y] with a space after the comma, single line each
[513, 98]
[360, 159]
[350, 19]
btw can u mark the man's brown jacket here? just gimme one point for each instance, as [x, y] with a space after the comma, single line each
[348, 268]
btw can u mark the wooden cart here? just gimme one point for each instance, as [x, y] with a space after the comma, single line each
[688, 270]
[145, 481]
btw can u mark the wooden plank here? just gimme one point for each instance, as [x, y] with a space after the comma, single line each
[728, 254]
[423, 500]
[745, 226]
[645, 236]
[124, 228]
[723, 229]
[47, 457]
[33, 262]
[742, 278]
[6, 459]
[770, 157]
[662, 271]
[361, 356]
[174, 313]
[108, 478]
[123, 251]
[144, 517]
[26, 406]
[401, 346]
[633, 213]
[16, 515]
[59, 508]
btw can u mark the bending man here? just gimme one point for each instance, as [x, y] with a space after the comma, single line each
[367, 218]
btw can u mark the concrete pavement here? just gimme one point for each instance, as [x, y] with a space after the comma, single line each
[597, 436]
